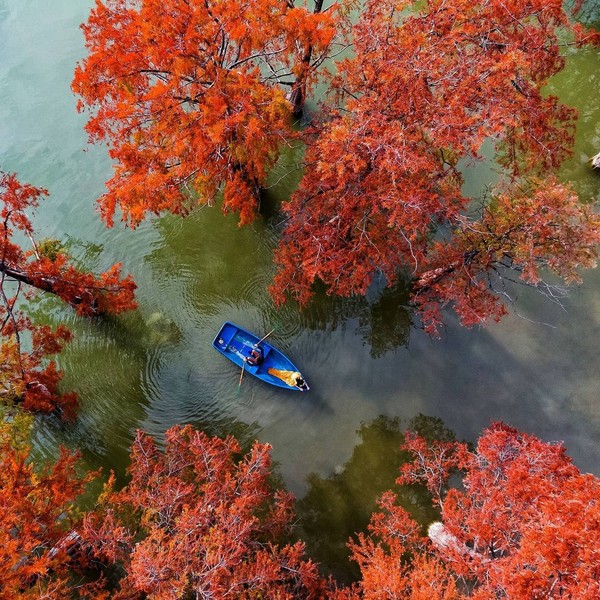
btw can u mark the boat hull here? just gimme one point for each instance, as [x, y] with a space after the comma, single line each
[235, 343]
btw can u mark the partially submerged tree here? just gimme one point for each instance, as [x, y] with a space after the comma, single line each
[197, 520]
[37, 513]
[190, 96]
[521, 235]
[200, 520]
[524, 524]
[426, 86]
[25, 374]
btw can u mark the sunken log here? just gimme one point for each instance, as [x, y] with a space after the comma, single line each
[596, 161]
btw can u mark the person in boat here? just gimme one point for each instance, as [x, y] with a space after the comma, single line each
[299, 382]
[292, 378]
[255, 357]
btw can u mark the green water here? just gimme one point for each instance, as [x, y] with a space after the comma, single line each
[156, 368]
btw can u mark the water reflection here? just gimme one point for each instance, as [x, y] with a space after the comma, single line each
[382, 319]
[579, 86]
[215, 266]
[105, 363]
[386, 323]
[336, 507]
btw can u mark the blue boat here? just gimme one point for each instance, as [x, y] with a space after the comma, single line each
[276, 368]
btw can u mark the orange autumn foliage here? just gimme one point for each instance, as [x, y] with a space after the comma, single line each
[200, 520]
[427, 85]
[25, 374]
[523, 232]
[37, 514]
[524, 524]
[189, 97]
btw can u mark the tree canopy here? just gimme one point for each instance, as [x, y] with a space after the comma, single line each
[382, 191]
[26, 375]
[201, 519]
[37, 512]
[190, 99]
[525, 523]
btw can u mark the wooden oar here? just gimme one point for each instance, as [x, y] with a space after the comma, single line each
[264, 338]
[242, 374]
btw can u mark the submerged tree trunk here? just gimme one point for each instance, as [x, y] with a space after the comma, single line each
[298, 94]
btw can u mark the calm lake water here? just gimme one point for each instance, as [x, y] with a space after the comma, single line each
[156, 368]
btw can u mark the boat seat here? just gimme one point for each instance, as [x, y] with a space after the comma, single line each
[226, 338]
[266, 349]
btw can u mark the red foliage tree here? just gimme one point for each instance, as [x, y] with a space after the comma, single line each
[200, 519]
[37, 514]
[25, 346]
[521, 233]
[524, 524]
[382, 192]
[188, 95]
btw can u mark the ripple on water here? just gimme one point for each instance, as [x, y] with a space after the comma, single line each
[287, 325]
[151, 379]
[178, 382]
[253, 288]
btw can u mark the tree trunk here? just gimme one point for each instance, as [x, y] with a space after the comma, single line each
[42, 283]
[298, 94]
[48, 284]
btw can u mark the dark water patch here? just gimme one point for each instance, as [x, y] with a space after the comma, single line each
[337, 507]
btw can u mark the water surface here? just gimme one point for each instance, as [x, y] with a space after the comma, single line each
[156, 368]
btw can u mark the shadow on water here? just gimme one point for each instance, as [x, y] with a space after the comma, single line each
[578, 86]
[216, 266]
[335, 508]
[382, 319]
[112, 395]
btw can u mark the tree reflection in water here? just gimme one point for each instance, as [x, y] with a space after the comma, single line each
[337, 507]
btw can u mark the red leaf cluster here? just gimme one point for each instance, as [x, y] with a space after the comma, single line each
[25, 374]
[200, 519]
[543, 228]
[36, 516]
[425, 87]
[525, 523]
[188, 96]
